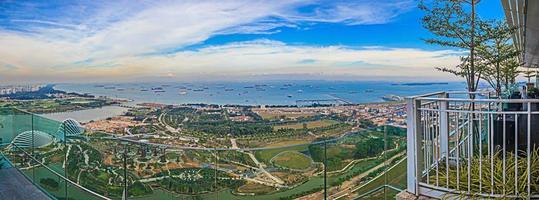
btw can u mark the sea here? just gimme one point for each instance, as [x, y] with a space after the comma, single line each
[259, 92]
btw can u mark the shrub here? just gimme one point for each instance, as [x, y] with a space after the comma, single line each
[498, 187]
[49, 183]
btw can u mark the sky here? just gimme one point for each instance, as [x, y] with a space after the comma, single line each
[123, 41]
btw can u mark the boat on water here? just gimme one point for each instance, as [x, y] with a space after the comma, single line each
[300, 91]
[158, 91]
[198, 90]
[229, 89]
[289, 96]
[157, 88]
[183, 92]
[144, 90]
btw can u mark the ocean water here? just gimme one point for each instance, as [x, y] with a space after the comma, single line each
[256, 93]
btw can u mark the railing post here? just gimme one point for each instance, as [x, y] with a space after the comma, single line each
[413, 148]
[444, 126]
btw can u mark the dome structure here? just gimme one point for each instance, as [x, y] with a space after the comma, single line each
[70, 127]
[24, 139]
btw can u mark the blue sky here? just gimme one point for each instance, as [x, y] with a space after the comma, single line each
[402, 31]
[91, 41]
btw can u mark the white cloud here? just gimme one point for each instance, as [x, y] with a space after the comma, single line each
[259, 58]
[352, 12]
[116, 40]
[107, 29]
[265, 57]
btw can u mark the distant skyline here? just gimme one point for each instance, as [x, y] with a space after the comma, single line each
[119, 41]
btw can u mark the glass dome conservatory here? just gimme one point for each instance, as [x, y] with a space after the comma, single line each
[40, 139]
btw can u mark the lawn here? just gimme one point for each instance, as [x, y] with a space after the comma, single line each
[312, 124]
[292, 160]
[266, 155]
[395, 177]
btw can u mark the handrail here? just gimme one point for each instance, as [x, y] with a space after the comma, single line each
[425, 95]
[61, 176]
[134, 141]
[446, 92]
[233, 149]
[349, 133]
[480, 100]
[431, 144]
[115, 137]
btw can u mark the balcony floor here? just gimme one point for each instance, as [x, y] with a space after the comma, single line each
[13, 185]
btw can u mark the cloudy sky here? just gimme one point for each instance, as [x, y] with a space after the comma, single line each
[93, 41]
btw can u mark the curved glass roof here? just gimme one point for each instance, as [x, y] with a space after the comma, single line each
[40, 139]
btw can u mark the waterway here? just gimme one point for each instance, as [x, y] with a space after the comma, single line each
[88, 115]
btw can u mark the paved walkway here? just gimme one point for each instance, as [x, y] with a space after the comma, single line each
[14, 185]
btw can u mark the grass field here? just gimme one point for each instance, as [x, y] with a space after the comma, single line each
[395, 177]
[292, 160]
[266, 155]
[313, 124]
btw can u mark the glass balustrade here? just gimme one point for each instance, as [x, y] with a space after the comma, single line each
[336, 163]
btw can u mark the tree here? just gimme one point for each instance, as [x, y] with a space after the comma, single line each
[369, 148]
[510, 71]
[494, 53]
[454, 26]
[465, 70]
[529, 74]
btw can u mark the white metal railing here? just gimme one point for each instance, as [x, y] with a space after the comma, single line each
[480, 147]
